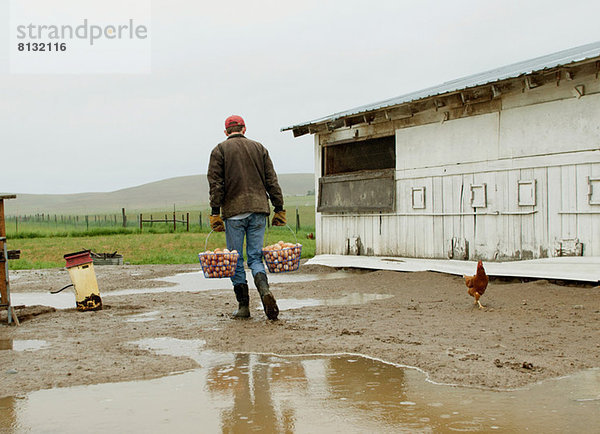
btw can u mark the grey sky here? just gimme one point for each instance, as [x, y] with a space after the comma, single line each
[276, 63]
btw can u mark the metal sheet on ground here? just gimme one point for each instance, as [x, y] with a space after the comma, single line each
[584, 269]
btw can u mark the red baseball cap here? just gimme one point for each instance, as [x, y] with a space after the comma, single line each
[233, 121]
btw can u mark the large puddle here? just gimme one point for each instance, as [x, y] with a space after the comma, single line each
[239, 393]
[184, 282]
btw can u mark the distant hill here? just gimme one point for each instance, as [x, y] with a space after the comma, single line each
[185, 192]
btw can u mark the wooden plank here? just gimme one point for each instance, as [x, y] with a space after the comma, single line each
[11, 255]
[360, 175]
[369, 226]
[438, 222]
[374, 233]
[408, 226]
[405, 230]
[569, 197]
[485, 238]
[554, 200]
[358, 193]
[502, 223]
[469, 221]
[584, 221]
[595, 227]
[583, 157]
[425, 229]
[595, 232]
[379, 241]
[318, 174]
[3, 267]
[2, 221]
[528, 242]
[399, 224]
[541, 218]
[397, 238]
[448, 207]
[3, 289]
[456, 205]
[514, 221]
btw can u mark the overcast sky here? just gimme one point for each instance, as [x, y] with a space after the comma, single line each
[274, 62]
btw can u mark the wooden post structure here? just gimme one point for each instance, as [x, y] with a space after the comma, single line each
[141, 224]
[124, 217]
[174, 222]
[4, 281]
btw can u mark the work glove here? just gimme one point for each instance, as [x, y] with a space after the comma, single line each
[216, 223]
[279, 218]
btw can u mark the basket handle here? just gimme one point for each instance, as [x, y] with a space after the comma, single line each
[206, 242]
[267, 233]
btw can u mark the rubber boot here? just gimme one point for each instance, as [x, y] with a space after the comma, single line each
[268, 301]
[241, 295]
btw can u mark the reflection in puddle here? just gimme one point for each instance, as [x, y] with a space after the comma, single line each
[22, 344]
[184, 282]
[354, 298]
[341, 393]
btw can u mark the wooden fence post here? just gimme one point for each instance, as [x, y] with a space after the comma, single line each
[188, 221]
[141, 223]
[124, 217]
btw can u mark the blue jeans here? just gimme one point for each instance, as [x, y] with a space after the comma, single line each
[253, 229]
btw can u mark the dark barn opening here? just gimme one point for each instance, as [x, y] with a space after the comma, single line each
[358, 176]
[373, 154]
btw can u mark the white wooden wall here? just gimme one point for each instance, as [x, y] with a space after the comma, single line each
[556, 144]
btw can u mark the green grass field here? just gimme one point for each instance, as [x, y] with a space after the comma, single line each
[47, 249]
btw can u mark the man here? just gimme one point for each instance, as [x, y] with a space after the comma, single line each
[242, 179]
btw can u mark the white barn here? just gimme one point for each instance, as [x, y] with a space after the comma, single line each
[497, 166]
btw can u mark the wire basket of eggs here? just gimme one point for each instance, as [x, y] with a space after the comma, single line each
[282, 257]
[218, 263]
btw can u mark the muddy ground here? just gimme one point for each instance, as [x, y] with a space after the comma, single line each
[528, 332]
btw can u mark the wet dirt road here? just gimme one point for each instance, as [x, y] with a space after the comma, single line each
[529, 331]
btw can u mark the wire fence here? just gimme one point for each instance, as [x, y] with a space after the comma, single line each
[178, 221]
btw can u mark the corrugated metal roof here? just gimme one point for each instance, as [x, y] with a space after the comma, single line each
[564, 57]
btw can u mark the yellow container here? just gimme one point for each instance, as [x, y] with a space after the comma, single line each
[81, 271]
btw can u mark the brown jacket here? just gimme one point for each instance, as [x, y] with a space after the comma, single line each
[241, 178]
